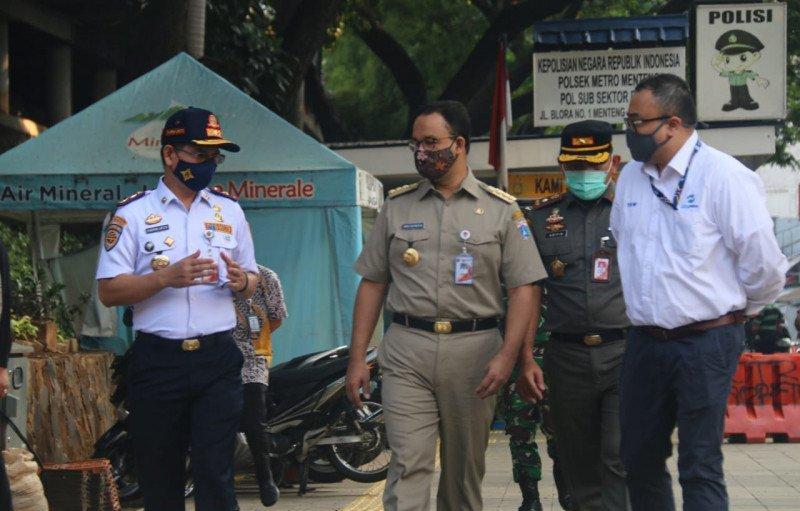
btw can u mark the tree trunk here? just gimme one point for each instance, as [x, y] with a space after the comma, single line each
[69, 404]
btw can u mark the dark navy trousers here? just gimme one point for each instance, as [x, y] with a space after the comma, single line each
[180, 401]
[683, 382]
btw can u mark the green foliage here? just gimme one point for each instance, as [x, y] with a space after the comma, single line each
[242, 45]
[42, 302]
[789, 132]
[23, 329]
[437, 35]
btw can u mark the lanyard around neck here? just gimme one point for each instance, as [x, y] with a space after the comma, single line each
[677, 197]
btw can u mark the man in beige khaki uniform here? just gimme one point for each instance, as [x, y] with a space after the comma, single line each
[440, 254]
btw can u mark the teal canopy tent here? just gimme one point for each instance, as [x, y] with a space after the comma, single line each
[304, 202]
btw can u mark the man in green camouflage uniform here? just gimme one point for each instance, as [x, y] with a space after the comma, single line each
[522, 419]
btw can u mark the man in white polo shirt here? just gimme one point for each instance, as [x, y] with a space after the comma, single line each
[697, 255]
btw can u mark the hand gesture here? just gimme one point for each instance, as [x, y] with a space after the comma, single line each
[716, 62]
[497, 372]
[530, 383]
[189, 271]
[4, 385]
[762, 82]
[357, 379]
[237, 277]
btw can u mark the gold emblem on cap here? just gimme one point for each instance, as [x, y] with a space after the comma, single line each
[732, 38]
[159, 262]
[187, 174]
[557, 268]
[411, 256]
[169, 241]
[479, 211]
[152, 218]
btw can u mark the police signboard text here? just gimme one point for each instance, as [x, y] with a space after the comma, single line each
[741, 61]
[570, 86]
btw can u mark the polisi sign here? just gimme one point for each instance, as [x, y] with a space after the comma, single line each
[740, 61]
[731, 16]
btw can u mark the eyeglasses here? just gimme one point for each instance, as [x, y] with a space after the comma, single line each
[217, 157]
[633, 124]
[427, 143]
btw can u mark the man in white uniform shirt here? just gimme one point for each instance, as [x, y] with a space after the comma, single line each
[697, 255]
[177, 253]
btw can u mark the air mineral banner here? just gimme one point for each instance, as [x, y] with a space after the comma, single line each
[571, 86]
[741, 61]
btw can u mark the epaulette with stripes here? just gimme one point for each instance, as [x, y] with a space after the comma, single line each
[547, 201]
[500, 194]
[217, 190]
[400, 190]
[127, 200]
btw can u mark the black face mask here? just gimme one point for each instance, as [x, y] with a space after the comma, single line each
[642, 146]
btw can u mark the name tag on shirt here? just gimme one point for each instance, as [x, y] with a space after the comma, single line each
[464, 269]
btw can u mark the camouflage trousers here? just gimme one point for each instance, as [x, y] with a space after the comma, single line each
[522, 420]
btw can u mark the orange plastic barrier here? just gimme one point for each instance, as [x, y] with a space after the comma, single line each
[765, 399]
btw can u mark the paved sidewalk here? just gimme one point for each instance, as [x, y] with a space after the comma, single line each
[760, 477]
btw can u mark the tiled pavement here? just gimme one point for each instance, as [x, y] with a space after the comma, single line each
[760, 477]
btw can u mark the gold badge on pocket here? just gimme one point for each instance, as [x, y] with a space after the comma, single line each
[557, 268]
[411, 256]
[159, 262]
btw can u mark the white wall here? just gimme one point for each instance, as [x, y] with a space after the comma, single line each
[782, 185]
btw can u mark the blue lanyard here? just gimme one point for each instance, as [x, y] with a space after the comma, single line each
[679, 190]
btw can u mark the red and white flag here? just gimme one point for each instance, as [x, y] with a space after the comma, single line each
[501, 118]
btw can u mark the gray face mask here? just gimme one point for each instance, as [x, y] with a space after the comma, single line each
[643, 146]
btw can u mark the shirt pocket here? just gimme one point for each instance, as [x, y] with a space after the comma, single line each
[404, 239]
[157, 245]
[683, 231]
[484, 246]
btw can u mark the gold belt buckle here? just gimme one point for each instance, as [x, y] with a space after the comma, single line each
[592, 340]
[442, 327]
[190, 344]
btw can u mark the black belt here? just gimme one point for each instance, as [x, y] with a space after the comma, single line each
[190, 344]
[591, 338]
[698, 328]
[446, 327]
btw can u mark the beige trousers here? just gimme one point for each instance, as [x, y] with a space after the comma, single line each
[429, 384]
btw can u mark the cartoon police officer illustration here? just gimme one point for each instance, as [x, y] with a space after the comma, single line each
[738, 51]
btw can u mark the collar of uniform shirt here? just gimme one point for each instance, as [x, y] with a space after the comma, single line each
[164, 192]
[678, 163]
[469, 185]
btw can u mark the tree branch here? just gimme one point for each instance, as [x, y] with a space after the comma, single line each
[304, 36]
[406, 73]
[319, 105]
[481, 60]
[674, 7]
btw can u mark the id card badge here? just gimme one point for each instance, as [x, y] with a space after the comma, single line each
[464, 269]
[601, 266]
[252, 322]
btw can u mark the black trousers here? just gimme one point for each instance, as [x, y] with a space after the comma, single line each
[683, 382]
[5, 490]
[584, 403]
[181, 400]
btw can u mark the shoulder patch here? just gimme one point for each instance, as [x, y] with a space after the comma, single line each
[400, 190]
[131, 198]
[113, 232]
[217, 190]
[500, 194]
[547, 201]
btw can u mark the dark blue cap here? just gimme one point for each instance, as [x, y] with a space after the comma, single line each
[195, 126]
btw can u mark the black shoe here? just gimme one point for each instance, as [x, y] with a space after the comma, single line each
[727, 107]
[530, 496]
[564, 497]
[750, 106]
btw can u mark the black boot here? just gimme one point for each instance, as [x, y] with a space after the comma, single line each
[259, 441]
[530, 496]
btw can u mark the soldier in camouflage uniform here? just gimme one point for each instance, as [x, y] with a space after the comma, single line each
[522, 420]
